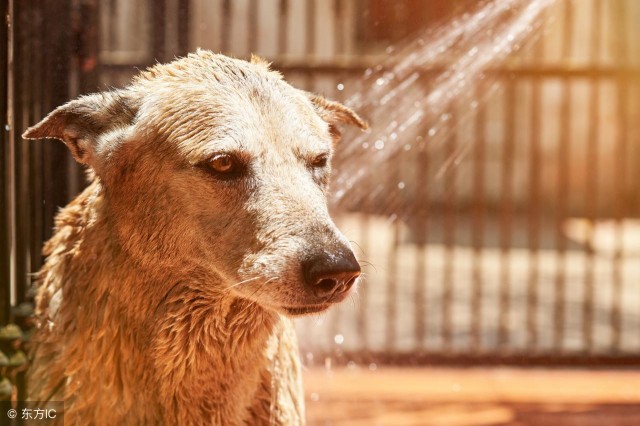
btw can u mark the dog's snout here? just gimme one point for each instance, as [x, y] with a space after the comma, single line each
[326, 274]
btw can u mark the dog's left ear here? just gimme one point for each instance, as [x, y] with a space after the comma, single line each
[334, 112]
[82, 123]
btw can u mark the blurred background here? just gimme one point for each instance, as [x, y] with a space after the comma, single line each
[505, 235]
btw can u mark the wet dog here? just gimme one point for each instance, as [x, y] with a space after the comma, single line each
[170, 282]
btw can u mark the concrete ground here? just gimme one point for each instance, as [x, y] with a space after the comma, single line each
[359, 396]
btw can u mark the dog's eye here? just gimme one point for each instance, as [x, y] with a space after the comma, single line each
[223, 163]
[320, 161]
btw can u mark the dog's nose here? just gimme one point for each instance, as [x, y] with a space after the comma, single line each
[326, 274]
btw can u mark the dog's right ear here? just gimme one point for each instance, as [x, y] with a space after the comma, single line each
[81, 122]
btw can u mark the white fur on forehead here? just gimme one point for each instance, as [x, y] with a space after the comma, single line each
[208, 97]
[204, 65]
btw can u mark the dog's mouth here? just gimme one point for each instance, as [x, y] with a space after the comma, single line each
[306, 309]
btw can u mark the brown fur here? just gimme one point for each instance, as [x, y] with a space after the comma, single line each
[164, 296]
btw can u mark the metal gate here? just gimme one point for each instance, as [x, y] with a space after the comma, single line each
[526, 251]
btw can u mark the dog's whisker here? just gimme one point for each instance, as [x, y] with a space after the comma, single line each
[360, 247]
[242, 282]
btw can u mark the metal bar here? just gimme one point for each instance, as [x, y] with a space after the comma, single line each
[22, 61]
[478, 226]
[11, 157]
[564, 165]
[35, 189]
[357, 68]
[591, 192]
[392, 278]
[336, 323]
[225, 35]
[516, 71]
[159, 24]
[57, 62]
[183, 27]
[449, 236]
[310, 38]
[507, 215]
[365, 245]
[252, 40]
[622, 149]
[422, 229]
[534, 209]
[5, 276]
[465, 360]
[283, 27]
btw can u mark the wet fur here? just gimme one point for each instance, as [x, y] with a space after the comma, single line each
[161, 298]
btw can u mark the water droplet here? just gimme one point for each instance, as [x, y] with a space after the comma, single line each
[365, 145]
[474, 104]
[472, 52]
[340, 87]
[380, 81]
[407, 147]
[379, 144]
[393, 136]
[327, 364]
[401, 185]
[7, 127]
[373, 366]
[445, 117]
[339, 339]
[314, 396]
[432, 131]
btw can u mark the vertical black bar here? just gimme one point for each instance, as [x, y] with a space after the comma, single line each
[310, 42]
[183, 27]
[4, 145]
[252, 34]
[21, 87]
[283, 27]
[159, 26]
[89, 46]
[56, 92]
[226, 26]
[35, 161]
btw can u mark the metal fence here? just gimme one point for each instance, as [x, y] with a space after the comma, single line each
[527, 250]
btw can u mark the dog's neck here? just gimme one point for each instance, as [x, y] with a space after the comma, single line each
[163, 328]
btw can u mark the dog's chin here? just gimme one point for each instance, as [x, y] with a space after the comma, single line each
[299, 311]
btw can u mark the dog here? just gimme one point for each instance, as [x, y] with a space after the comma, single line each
[171, 281]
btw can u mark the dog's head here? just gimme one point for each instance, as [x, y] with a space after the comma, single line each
[218, 168]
